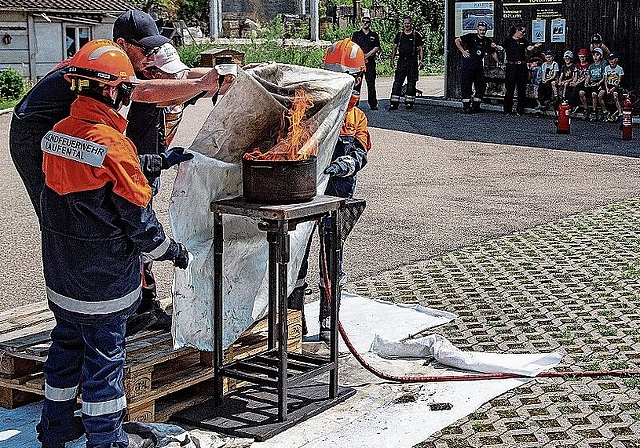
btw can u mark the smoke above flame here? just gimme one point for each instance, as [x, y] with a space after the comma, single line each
[298, 143]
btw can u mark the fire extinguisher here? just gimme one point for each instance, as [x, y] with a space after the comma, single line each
[627, 124]
[564, 118]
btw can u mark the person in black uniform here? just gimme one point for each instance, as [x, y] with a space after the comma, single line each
[369, 42]
[408, 44]
[517, 73]
[474, 47]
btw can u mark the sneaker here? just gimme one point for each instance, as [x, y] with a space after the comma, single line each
[576, 109]
[139, 322]
[374, 108]
[393, 107]
[78, 431]
[593, 117]
[467, 110]
[410, 106]
[614, 116]
[605, 116]
[586, 114]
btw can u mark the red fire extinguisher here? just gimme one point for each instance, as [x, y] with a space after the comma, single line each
[564, 118]
[627, 124]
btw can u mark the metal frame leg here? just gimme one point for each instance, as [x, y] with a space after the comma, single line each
[282, 256]
[335, 249]
[218, 243]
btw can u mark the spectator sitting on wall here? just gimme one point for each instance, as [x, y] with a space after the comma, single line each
[561, 88]
[613, 74]
[550, 72]
[579, 77]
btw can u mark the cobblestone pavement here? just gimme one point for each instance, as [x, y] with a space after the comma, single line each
[570, 285]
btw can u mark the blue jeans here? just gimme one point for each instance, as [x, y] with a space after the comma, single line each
[95, 353]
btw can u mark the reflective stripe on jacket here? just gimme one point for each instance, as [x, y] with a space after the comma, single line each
[96, 219]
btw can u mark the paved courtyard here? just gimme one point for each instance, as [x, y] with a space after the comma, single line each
[530, 237]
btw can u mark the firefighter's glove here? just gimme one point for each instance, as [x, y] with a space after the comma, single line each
[174, 156]
[176, 253]
[181, 261]
[343, 166]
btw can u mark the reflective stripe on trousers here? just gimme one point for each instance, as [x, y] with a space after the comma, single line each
[97, 353]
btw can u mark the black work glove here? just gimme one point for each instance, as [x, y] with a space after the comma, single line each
[181, 261]
[343, 166]
[176, 253]
[174, 156]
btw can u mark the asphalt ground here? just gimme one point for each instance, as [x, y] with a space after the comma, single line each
[529, 236]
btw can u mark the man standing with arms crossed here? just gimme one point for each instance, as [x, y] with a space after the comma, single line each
[369, 42]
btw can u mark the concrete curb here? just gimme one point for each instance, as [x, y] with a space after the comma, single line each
[434, 101]
[6, 111]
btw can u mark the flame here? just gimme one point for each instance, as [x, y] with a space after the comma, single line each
[298, 144]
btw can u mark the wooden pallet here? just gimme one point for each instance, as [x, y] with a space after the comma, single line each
[159, 379]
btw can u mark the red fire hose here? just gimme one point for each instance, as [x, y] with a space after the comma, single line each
[442, 378]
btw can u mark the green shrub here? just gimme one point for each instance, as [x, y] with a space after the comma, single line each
[190, 54]
[11, 85]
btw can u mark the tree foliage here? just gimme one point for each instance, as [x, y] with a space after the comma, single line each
[194, 12]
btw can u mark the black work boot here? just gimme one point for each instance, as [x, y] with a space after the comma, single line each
[476, 106]
[295, 301]
[325, 315]
[78, 431]
[138, 322]
[140, 435]
[163, 320]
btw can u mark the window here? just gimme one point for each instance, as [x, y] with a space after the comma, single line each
[75, 38]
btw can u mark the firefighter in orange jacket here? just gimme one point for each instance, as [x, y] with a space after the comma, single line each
[96, 223]
[349, 157]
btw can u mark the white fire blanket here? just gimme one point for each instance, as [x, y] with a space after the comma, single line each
[443, 351]
[248, 116]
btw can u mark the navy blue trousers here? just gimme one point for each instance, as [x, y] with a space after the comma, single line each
[95, 353]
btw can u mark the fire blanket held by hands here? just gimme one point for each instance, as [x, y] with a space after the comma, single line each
[249, 116]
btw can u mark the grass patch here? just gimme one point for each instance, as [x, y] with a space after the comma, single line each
[8, 104]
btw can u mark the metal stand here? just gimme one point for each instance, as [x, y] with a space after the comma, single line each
[274, 367]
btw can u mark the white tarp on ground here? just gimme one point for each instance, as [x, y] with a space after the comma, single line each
[248, 116]
[362, 321]
[380, 414]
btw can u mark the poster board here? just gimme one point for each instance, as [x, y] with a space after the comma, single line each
[468, 14]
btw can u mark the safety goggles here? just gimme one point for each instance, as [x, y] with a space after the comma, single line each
[147, 51]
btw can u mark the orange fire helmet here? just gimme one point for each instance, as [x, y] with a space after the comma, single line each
[344, 56]
[103, 61]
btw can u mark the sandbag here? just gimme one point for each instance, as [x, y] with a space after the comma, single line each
[247, 117]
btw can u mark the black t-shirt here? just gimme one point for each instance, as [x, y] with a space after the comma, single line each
[367, 42]
[143, 127]
[408, 43]
[516, 49]
[49, 101]
[478, 48]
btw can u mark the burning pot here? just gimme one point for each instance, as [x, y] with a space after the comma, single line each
[286, 173]
[279, 181]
